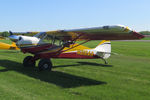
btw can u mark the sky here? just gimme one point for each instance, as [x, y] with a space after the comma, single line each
[46, 15]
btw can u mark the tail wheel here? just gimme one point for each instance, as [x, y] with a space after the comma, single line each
[45, 64]
[27, 62]
[105, 61]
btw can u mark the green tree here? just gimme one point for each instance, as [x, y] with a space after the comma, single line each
[5, 34]
[145, 32]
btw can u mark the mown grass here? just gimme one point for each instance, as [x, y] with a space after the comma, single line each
[126, 77]
[146, 38]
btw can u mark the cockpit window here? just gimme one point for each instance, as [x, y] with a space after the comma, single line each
[57, 42]
[40, 35]
[52, 40]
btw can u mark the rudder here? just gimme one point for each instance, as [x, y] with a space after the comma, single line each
[104, 49]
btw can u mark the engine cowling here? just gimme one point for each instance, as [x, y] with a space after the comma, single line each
[27, 41]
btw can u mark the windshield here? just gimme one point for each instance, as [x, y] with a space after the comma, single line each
[41, 35]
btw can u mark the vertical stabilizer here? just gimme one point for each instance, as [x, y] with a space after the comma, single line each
[104, 49]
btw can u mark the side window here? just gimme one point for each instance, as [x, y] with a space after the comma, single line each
[51, 39]
[48, 40]
[57, 42]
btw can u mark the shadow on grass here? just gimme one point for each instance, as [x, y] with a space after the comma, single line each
[84, 63]
[61, 79]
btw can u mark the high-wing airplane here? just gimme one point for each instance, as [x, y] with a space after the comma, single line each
[62, 44]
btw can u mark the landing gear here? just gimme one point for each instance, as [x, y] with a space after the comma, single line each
[105, 61]
[45, 64]
[27, 62]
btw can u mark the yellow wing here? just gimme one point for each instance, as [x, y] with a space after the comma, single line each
[8, 46]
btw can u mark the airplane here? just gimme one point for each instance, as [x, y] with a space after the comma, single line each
[62, 44]
[6, 46]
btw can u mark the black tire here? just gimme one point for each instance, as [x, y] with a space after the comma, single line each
[45, 64]
[27, 62]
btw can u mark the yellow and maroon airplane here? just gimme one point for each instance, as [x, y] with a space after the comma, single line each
[62, 44]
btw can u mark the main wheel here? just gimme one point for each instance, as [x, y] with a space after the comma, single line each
[45, 64]
[27, 62]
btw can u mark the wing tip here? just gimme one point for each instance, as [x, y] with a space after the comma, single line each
[138, 35]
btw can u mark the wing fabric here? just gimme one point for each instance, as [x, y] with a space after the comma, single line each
[98, 33]
[116, 32]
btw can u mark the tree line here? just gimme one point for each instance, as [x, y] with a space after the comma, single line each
[145, 32]
[4, 34]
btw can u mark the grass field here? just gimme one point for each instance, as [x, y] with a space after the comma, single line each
[126, 77]
[146, 38]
